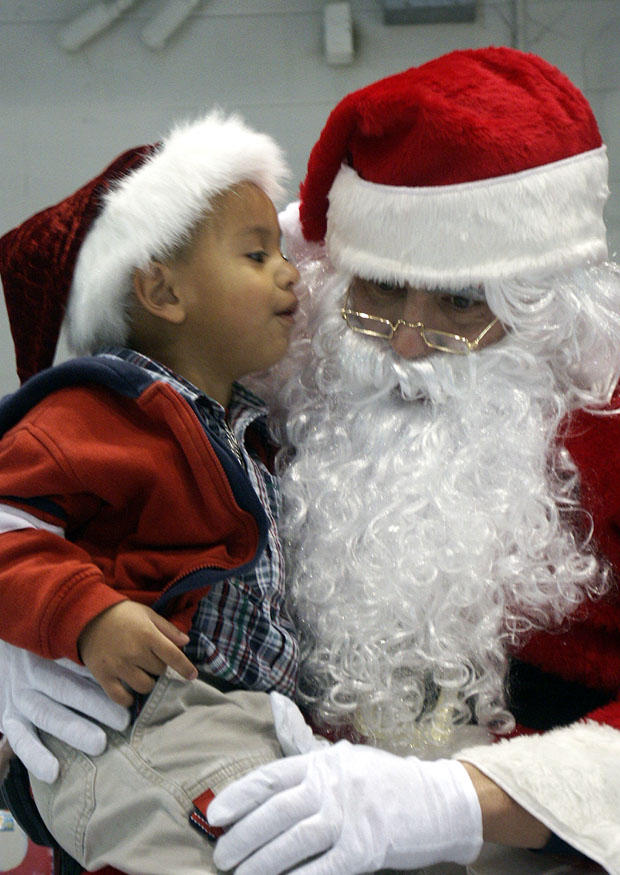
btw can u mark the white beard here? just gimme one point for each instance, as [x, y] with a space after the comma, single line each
[429, 524]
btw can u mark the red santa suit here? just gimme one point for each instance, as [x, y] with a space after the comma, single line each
[484, 169]
[564, 686]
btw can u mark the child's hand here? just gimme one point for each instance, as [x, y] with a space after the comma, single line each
[128, 644]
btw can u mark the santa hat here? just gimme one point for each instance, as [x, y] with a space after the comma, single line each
[78, 255]
[479, 165]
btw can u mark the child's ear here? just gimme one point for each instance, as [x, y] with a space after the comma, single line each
[154, 289]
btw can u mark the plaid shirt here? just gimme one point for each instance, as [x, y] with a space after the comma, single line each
[241, 632]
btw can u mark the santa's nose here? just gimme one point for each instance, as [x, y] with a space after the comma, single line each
[408, 343]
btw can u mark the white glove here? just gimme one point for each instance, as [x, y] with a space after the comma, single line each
[350, 807]
[294, 734]
[34, 692]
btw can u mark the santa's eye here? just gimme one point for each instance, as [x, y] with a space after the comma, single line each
[459, 302]
[388, 289]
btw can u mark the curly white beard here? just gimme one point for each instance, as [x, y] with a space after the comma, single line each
[430, 522]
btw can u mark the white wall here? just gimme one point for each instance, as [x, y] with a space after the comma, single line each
[64, 116]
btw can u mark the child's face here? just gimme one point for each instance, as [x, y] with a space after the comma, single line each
[238, 288]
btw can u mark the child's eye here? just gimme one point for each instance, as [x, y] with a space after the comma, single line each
[260, 255]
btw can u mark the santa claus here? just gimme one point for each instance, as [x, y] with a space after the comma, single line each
[449, 467]
[450, 479]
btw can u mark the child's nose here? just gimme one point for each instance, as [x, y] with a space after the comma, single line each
[287, 274]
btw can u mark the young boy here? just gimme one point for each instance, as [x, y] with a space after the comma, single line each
[136, 502]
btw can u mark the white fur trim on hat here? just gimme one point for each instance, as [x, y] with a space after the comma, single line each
[153, 209]
[547, 218]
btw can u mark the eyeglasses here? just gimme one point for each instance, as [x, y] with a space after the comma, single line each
[443, 341]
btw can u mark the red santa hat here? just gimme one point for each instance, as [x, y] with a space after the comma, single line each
[76, 258]
[479, 165]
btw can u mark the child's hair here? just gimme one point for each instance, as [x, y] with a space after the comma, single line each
[80, 254]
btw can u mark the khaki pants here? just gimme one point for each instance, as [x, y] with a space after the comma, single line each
[129, 808]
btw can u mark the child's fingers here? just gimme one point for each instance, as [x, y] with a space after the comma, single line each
[169, 630]
[170, 654]
[138, 679]
[150, 663]
[116, 691]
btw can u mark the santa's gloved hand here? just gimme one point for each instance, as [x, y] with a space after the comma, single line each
[37, 692]
[294, 734]
[350, 807]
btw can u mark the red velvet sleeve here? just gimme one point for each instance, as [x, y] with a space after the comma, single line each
[589, 652]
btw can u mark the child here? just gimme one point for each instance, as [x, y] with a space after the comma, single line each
[136, 503]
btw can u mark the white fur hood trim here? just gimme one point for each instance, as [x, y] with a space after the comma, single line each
[569, 779]
[549, 218]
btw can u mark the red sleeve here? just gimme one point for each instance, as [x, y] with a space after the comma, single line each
[588, 652]
[49, 587]
[593, 440]
[49, 591]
